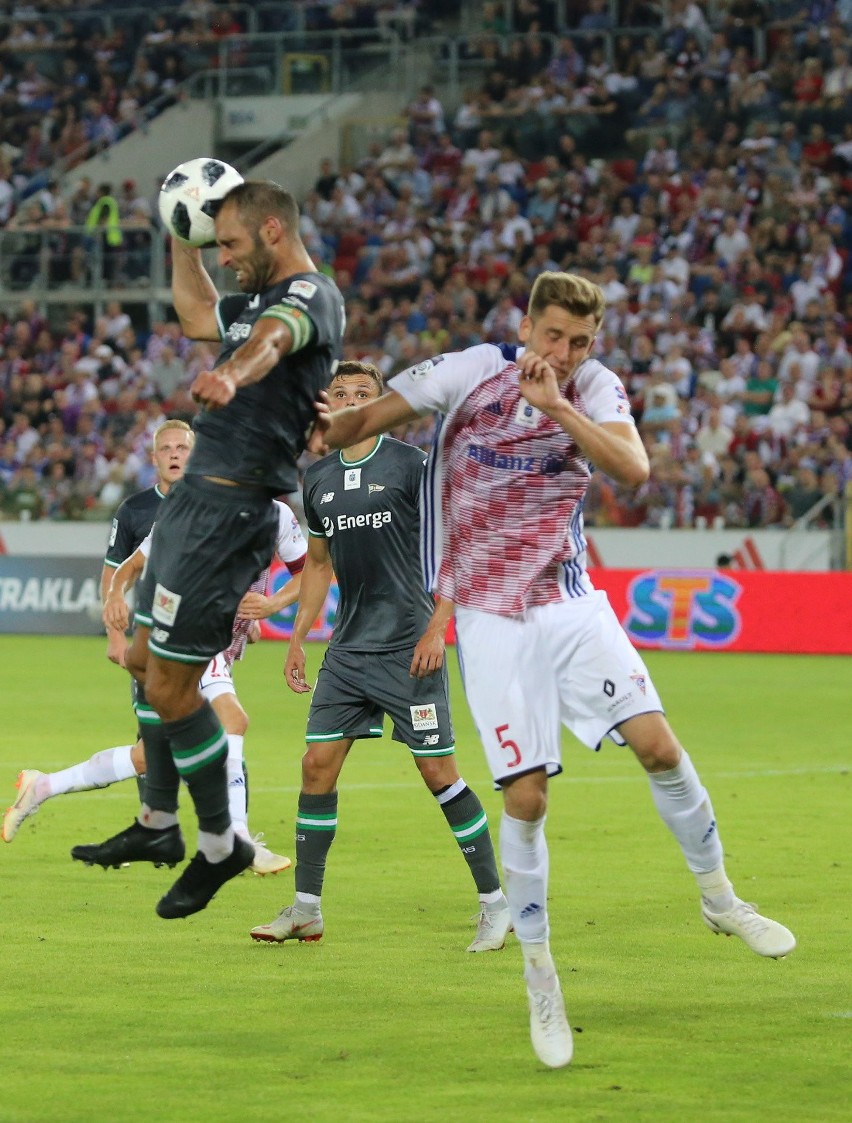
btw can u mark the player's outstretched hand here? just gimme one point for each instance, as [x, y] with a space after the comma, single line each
[316, 439]
[255, 606]
[294, 669]
[213, 388]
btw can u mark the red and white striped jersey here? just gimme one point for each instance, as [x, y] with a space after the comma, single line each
[502, 508]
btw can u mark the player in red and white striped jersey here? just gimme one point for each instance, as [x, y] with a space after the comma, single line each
[521, 430]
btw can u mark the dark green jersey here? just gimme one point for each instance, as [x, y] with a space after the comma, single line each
[368, 511]
[259, 435]
[133, 519]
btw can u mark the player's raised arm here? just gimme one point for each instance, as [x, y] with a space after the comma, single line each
[614, 447]
[347, 427]
[193, 293]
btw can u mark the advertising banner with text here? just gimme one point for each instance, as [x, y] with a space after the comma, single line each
[50, 596]
[696, 610]
[726, 610]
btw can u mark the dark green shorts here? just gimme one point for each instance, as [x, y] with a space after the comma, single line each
[355, 689]
[210, 542]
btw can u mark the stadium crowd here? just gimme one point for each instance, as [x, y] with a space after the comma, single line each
[700, 172]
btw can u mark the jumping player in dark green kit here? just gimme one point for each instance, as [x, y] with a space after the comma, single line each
[216, 531]
[386, 656]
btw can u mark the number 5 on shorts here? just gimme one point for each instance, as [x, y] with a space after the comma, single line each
[509, 745]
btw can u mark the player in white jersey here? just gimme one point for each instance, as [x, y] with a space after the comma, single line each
[521, 429]
[216, 687]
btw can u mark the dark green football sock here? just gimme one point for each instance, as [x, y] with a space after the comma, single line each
[200, 750]
[158, 788]
[316, 824]
[469, 824]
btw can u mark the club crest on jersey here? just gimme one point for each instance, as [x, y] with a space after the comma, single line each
[527, 415]
[352, 479]
[640, 681]
[424, 718]
[327, 497]
[374, 487]
[165, 606]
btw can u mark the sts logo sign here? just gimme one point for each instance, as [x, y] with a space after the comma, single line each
[682, 609]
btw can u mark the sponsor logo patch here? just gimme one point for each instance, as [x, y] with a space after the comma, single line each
[302, 288]
[113, 532]
[166, 605]
[421, 370]
[640, 681]
[527, 415]
[424, 718]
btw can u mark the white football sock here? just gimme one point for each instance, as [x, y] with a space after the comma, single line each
[155, 820]
[685, 808]
[523, 853]
[539, 968]
[109, 766]
[216, 847]
[236, 782]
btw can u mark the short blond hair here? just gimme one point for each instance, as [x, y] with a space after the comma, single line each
[568, 291]
[172, 423]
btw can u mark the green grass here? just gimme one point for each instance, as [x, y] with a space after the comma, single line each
[113, 1014]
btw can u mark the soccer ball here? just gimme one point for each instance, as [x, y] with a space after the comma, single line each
[190, 195]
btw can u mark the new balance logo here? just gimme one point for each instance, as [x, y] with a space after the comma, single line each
[530, 910]
[327, 497]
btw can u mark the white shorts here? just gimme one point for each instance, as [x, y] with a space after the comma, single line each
[216, 679]
[569, 662]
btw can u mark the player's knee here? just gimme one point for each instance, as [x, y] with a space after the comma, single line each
[233, 717]
[318, 774]
[438, 772]
[657, 750]
[526, 797]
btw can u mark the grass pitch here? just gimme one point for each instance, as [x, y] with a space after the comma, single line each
[111, 1014]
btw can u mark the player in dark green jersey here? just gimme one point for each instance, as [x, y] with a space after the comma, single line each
[386, 656]
[280, 338]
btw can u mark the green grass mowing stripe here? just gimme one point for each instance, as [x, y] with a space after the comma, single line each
[112, 1013]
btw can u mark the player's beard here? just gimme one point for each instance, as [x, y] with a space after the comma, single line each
[257, 268]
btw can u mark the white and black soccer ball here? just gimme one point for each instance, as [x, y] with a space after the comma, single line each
[189, 197]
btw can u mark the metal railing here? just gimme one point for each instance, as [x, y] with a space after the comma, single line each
[62, 263]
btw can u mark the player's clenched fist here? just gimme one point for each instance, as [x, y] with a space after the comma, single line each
[213, 388]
